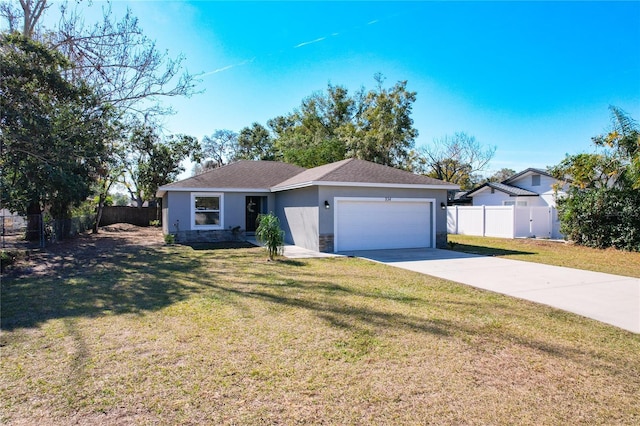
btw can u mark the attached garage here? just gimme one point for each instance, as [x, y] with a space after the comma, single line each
[383, 223]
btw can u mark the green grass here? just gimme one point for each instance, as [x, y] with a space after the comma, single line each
[174, 335]
[610, 261]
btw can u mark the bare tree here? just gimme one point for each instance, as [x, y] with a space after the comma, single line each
[219, 148]
[11, 14]
[114, 56]
[29, 13]
[456, 159]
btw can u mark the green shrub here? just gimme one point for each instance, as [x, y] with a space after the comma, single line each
[270, 234]
[602, 217]
[169, 238]
[154, 223]
[7, 258]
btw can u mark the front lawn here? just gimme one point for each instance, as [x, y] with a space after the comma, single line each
[556, 253]
[179, 335]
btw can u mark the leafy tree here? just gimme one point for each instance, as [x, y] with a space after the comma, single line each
[129, 75]
[312, 134]
[456, 159]
[501, 175]
[152, 160]
[622, 147]
[110, 170]
[384, 131]
[52, 130]
[602, 203]
[120, 199]
[254, 143]
[270, 234]
[333, 125]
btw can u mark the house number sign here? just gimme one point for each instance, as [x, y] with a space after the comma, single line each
[387, 198]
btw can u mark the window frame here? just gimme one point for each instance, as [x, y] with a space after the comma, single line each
[515, 203]
[220, 210]
[536, 180]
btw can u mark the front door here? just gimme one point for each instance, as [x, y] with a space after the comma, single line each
[254, 208]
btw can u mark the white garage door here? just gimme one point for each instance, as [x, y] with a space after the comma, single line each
[371, 224]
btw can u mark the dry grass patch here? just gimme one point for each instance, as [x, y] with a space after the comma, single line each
[176, 335]
[556, 253]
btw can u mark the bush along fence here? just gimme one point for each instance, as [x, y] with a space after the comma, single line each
[36, 231]
[504, 221]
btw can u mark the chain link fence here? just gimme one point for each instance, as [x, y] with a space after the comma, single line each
[37, 231]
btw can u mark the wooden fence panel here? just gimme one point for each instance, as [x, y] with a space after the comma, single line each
[132, 215]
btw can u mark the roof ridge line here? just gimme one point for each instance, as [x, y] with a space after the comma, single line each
[343, 161]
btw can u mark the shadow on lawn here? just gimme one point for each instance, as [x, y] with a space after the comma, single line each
[219, 245]
[121, 278]
[483, 326]
[485, 251]
[342, 315]
[98, 278]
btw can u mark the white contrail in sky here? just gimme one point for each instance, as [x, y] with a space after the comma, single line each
[310, 42]
[228, 67]
[247, 61]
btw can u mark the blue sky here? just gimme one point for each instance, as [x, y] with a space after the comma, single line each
[534, 79]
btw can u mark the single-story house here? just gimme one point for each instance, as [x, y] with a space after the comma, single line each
[347, 205]
[529, 188]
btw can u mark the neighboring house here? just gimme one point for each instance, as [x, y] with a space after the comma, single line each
[529, 188]
[347, 205]
[459, 198]
[11, 221]
[520, 206]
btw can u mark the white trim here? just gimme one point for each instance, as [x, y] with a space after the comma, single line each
[336, 204]
[363, 185]
[163, 189]
[192, 210]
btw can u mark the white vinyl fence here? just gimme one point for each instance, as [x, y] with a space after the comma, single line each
[504, 221]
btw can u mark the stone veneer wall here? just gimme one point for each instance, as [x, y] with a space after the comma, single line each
[325, 243]
[209, 236]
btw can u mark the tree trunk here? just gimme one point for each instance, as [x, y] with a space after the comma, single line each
[34, 219]
[99, 210]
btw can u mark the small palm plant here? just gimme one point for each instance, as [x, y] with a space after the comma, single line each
[270, 234]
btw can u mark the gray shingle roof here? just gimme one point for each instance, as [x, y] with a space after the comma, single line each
[241, 174]
[265, 175]
[358, 171]
[507, 189]
[524, 172]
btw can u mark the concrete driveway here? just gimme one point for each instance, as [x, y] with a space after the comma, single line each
[611, 299]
